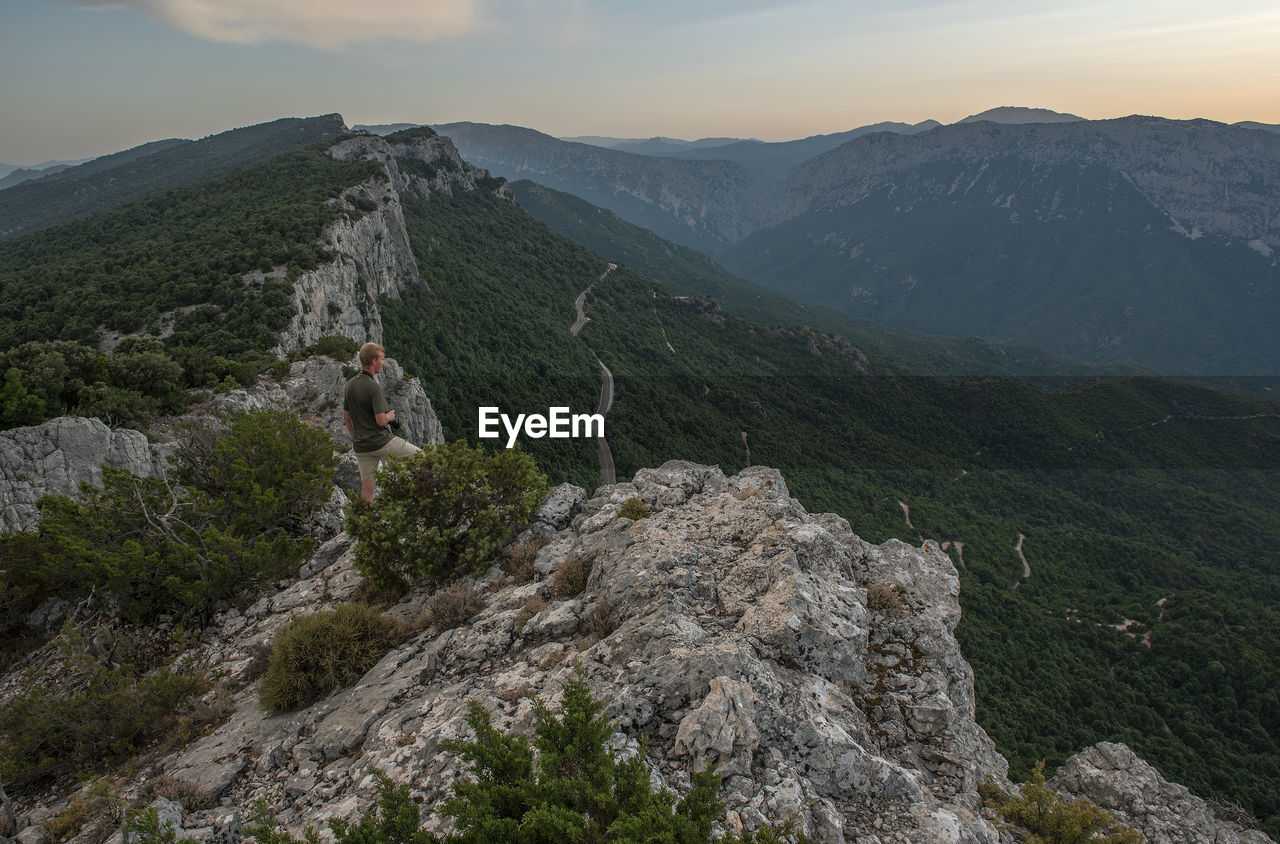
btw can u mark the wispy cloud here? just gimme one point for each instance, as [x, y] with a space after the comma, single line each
[318, 23]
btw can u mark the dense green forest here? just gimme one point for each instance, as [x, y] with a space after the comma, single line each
[173, 265]
[1139, 499]
[1141, 502]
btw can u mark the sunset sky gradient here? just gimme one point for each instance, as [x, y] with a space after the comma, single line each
[85, 78]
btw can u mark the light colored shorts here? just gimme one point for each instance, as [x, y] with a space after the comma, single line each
[368, 461]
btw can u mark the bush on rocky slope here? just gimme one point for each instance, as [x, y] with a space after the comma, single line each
[443, 512]
[566, 786]
[324, 651]
[148, 548]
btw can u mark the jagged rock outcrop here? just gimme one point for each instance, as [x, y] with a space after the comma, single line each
[314, 388]
[1112, 777]
[56, 456]
[373, 254]
[729, 625]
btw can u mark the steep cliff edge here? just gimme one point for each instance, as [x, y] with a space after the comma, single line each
[372, 255]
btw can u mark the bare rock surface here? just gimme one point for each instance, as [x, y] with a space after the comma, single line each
[728, 626]
[56, 456]
[1112, 777]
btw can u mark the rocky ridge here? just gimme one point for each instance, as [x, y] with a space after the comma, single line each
[1112, 777]
[1208, 178]
[372, 254]
[56, 456]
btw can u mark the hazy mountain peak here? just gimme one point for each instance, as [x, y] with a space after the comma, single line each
[1019, 114]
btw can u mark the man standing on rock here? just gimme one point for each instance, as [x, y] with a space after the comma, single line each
[366, 415]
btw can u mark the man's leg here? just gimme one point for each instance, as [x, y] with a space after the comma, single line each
[368, 464]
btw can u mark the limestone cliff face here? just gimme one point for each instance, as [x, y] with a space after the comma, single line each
[373, 257]
[55, 457]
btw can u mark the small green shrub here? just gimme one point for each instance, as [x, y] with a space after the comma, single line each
[324, 651]
[1051, 820]
[442, 512]
[143, 826]
[110, 714]
[269, 471]
[571, 578]
[633, 508]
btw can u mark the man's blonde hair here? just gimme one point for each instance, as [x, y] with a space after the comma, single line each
[369, 352]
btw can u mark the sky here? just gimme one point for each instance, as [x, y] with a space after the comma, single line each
[80, 78]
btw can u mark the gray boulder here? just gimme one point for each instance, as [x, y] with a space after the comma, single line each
[1112, 777]
[56, 456]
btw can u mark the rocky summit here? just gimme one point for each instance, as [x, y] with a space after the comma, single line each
[727, 626]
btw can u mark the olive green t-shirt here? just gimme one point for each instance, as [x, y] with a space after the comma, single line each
[363, 399]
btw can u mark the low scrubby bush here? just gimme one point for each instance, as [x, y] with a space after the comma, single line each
[324, 651]
[91, 725]
[571, 578]
[453, 605]
[1049, 819]
[884, 598]
[633, 508]
[442, 512]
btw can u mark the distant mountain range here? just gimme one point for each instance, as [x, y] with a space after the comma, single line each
[1139, 240]
[12, 174]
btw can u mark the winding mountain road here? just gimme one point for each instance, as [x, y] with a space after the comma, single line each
[608, 473]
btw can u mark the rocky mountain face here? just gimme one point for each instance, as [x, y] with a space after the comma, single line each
[1209, 179]
[706, 204]
[373, 255]
[818, 671]
[1094, 240]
